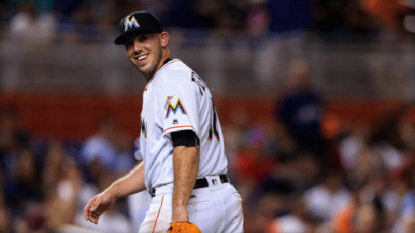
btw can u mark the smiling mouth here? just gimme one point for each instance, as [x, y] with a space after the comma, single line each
[140, 58]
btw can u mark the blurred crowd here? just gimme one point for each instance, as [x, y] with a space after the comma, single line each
[74, 20]
[45, 183]
[297, 177]
[293, 176]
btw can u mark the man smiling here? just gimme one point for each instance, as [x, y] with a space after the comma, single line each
[181, 144]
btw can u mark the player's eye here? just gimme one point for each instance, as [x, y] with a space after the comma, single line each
[128, 44]
[142, 38]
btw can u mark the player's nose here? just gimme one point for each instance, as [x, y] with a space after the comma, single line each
[138, 48]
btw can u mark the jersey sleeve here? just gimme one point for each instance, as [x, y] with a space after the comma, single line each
[180, 110]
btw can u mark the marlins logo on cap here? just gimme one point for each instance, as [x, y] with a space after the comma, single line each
[129, 23]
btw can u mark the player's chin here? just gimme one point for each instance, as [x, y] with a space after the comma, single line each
[139, 65]
[144, 69]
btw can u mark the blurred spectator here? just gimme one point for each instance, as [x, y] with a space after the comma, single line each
[86, 23]
[25, 183]
[54, 167]
[3, 11]
[33, 220]
[406, 220]
[31, 27]
[387, 140]
[210, 12]
[404, 180]
[324, 200]
[107, 152]
[253, 155]
[388, 14]
[385, 198]
[63, 190]
[12, 137]
[308, 171]
[284, 143]
[367, 220]
[269, 206]
[180, 14]
[292, 174]
[343, 219]
[327, 14]
[301, 110]
[342, 16]
[5, 221]
[233, 15]
[289, 15]
[257, 18]
[45, 6]
[368, 164]
[104, 14]
[352, 144]
[295, 221]
[113, 220]
[65, 9]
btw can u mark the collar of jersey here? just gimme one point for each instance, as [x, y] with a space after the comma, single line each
[167, 62]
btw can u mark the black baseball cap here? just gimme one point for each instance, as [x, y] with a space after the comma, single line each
[137, 22]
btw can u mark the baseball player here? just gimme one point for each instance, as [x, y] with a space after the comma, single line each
[181, 144]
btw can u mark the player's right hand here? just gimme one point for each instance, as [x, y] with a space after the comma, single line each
[98, 205]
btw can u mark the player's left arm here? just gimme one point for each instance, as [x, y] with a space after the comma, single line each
[185, 165]
[181, 102]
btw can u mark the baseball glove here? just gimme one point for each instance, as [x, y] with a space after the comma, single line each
[183, 227]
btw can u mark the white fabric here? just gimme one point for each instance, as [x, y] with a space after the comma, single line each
[217, 208]
[138, 205]
[177, 99]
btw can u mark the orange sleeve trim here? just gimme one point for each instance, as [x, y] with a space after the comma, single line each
[178, 127]
[155, 223]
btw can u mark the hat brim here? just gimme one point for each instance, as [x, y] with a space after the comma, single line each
[123, 37]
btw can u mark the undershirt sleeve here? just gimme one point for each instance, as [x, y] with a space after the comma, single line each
[186, 138]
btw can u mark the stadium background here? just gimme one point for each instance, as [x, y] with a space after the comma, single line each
[315, 98]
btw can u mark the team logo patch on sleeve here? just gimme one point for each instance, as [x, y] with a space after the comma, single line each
[174, 107]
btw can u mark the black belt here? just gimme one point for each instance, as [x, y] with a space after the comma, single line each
[200, 183]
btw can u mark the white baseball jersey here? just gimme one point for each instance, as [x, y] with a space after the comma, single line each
[177, 99]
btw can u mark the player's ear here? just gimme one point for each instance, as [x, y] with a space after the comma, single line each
[164, 39]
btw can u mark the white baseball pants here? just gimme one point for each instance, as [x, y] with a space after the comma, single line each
[215, 209]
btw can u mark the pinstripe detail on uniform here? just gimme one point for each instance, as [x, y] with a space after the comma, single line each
[178, 127]
[155, 223]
